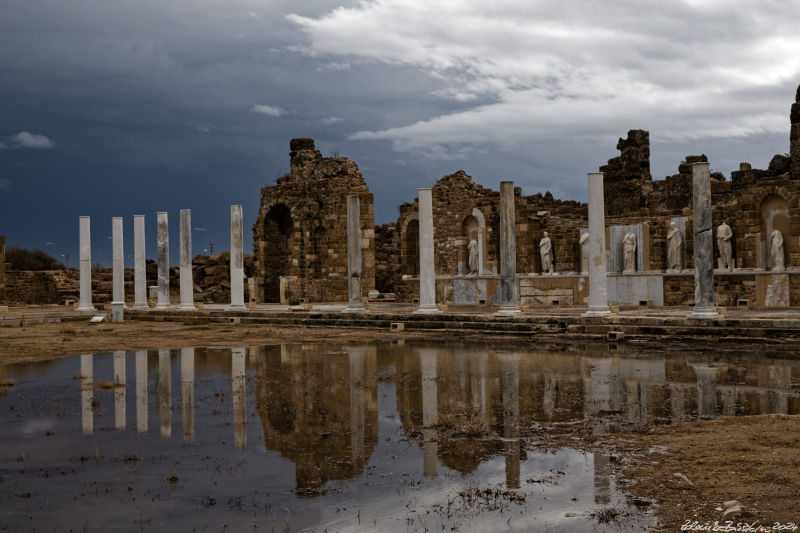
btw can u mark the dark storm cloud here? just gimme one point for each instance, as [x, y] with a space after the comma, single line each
[154, 105]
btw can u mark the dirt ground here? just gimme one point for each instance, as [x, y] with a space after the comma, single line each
[747, 466]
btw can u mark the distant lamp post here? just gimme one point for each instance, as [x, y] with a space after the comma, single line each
[54, 249]
[66, 260]
[202, 229]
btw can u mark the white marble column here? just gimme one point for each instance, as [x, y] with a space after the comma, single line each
[430, 411]
[85, 303]
[187, 393]
[237, 261]
[703, 244]
[187, 295]
[509, 292]
[141, 391]
[598, 285]
[163, 260]
[427, 270]
[139, 267]
[87, 392]
[354, 292]
[119, 392]
[117, 263]
[165, 391]
[238, 376]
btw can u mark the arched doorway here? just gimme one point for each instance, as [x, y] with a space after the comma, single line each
[410, 249]
[277, 230]
[470, 230]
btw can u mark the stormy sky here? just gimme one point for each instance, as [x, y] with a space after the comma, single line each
[114, 108]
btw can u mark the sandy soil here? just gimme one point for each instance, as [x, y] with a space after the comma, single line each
[690, 470]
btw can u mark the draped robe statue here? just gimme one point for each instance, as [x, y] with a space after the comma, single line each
[546, 253]
[629, 243]
[674, 249]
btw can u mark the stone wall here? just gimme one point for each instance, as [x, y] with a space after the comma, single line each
[301, 230]
[3, 268]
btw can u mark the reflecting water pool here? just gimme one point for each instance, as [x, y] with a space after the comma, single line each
[365, 437]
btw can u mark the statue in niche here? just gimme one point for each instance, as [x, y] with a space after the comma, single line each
[724, 235]
[629, 243]
[674, 249]
[546, 253]
[584, 253]
[776, 251]
[472, 263]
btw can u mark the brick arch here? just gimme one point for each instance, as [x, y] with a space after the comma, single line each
[409, 246]
[771, 190]
[278, 227]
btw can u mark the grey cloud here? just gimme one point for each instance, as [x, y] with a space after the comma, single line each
[6, 184]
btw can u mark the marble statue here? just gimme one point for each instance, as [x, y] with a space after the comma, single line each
[724, 235]
[584, 253]
[546, 253]
[674, 249]
[629, 243]
[776, 250]
[473, 256]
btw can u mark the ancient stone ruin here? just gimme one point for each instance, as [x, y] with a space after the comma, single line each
[300, 235]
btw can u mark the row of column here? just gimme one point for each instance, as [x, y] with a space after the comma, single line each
[509, 293]
[139, 275]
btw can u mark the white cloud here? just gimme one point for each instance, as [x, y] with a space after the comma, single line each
[6, 184]
[25, 139]
[560, 70]
[331, 120]
[268, 110]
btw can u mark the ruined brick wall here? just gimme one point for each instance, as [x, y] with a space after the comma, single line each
[301, 229]
[3, 268]
[387, 248]
[562, 220]
[42, 286]
[627, 176]
[794, 137]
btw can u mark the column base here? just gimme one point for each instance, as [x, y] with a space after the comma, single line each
[355, 309]
[704, 314]
[596, 312]
[427, 310]
[236, 307]
[90, 308]
[140, 307]
[187, 307]
[510, 310]
[163, 306]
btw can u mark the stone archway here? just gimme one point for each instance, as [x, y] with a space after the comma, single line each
[409, 249]
[278, 225]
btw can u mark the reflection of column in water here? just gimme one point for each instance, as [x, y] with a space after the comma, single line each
[239, 398]
[601, 389]
[187, 393]
[119, 392]
[430, 410]
[728, 397]
[355, 355]
[781, 379]
[509, 365]
[141, 391]
[549, 395]
[706, 389]
[477, 370]
[602, 479]
[677, 403]
[87, 394]
[165, 392]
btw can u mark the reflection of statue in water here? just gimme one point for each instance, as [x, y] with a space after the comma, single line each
[629, 243]
[546, 253]
[584, 252]
[355, 287]
[674, 248]
[776, 250]
[472, 263]
[724, 235]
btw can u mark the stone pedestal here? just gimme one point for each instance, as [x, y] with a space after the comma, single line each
[427, 275]
[187, 296]
[116, 312]
[85, 303]
[139, 267]
[163, 261]
[509, 292]
[354, 303]
[237, 261]
[117, 263]
[598, 288]
[703, 243]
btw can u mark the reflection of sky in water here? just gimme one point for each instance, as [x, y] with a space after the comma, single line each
[347, 437]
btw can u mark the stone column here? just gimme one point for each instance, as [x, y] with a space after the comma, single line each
[163, 260]
[117, 270]
[427, 271]
[703, 243]
[85, 303]
[509, 294]
[237, 261]
[598, 285]
[187, 296]
[139, 268]
[354, 303]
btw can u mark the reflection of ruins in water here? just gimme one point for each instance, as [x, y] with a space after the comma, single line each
[318, 404]
[319, 408]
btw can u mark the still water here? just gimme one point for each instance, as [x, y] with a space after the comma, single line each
[355, 437]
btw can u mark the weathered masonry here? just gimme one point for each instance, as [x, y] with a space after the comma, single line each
[300, 235]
